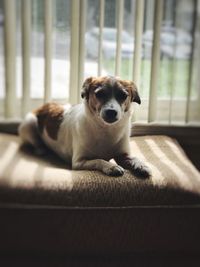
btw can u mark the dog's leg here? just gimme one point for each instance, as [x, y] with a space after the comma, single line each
[106, 167]
[28, 131]
[133, 164]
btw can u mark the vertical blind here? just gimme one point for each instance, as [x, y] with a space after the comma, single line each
[48, 47]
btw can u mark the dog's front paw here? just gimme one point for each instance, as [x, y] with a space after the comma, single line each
[114, 171]
[140, 169]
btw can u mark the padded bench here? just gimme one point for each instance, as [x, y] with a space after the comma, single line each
[46, 207]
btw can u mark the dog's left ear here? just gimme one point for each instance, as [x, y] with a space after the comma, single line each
[132, 90]
[86, 87]
[135, 94]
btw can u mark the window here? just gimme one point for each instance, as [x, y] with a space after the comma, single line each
[48, 54]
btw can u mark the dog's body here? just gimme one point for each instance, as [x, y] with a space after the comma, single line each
[88, 135]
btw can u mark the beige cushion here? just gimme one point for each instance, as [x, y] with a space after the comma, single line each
[26, 178]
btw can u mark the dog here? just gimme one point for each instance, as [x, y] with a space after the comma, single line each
[90, 134]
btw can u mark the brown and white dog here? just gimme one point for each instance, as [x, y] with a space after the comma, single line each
[90, 134]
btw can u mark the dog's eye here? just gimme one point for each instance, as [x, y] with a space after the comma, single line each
[122, 95]
[100, 93]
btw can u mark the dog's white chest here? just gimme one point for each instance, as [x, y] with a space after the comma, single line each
[103, 147]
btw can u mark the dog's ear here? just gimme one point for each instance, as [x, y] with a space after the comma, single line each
[135, 95]
[86, 87]
[132, 90]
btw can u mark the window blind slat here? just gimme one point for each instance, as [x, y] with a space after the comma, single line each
[139, 19]
[173, 69]
[158, 13]
[26, 31]
[48, 19]
[172, 84]
[83, 8]
[119, 15]
[197, 85]
[74, 56]
[138, 22]
[192, 62]
[101, 25]
[10, 55]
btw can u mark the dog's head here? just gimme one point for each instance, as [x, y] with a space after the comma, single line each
[109, 97]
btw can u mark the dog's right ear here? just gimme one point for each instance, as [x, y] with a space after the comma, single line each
[86, 88]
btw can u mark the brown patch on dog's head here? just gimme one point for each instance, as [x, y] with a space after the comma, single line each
[131, 89]
[90, 86]
[50, 117]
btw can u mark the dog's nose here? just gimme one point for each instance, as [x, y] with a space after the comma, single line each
[110, 115]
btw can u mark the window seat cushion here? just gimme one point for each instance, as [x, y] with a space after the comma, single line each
[47, 208]
[29, 179]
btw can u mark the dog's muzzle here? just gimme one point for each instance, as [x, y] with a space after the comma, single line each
[110, 115]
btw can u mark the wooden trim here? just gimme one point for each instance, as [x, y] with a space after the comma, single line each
[158, 129]
[22, 206]
[9, 126]
[191, 134]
